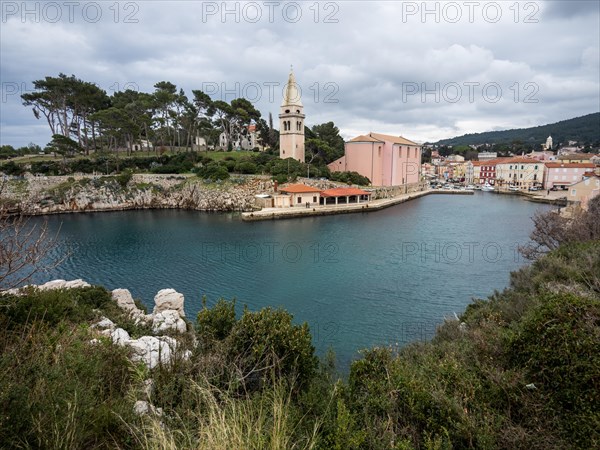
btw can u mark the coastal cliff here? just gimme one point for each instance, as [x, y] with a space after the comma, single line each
[61, 194]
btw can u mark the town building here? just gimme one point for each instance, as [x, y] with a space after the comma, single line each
[249, 141]
[562, 174]
[585, 190]
[487, 171]
[542, 156]
[519, 172]
[344, 196]
[297, 195]
[384, 159]
[548, 144]
[575, 157]
[473, 172]
[486, 156]
[291, 122]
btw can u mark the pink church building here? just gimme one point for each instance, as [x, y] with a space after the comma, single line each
[385, 160]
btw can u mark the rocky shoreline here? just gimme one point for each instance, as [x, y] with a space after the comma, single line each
[90, 193]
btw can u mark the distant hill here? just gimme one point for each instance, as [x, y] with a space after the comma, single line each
[585, 129]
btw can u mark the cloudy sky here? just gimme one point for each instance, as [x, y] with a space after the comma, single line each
[426, 71]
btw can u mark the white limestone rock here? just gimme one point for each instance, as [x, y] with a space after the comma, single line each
[167, 299]
[125, 300]
[168, 320]
[152, 350]
[105, 323]
[142, 408]
[79, 283]
[120, 337]
[54, 284]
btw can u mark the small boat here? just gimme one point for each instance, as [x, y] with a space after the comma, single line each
[487, 187]
[513, 188]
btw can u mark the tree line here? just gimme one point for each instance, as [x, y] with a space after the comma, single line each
[82, 117]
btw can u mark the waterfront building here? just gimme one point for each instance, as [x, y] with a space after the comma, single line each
[344, 196]
[291, 122]
[562, 174]
[297, 195]
[487, 171]
[473, 171]
[586, 189]
[542, 156]
[519, 172]
[384, 159]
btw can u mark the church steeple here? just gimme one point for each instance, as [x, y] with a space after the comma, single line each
[292, 95]
[291, 121]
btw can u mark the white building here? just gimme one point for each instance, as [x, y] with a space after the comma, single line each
[486, 156]
[548, 145]
[248, 142]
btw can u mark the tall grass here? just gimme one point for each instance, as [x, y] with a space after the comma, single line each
[225, 421]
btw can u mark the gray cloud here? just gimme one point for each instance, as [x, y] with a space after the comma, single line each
[380, 67]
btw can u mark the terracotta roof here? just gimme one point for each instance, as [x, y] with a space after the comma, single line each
[343, 192]
[394, 139]
[581, 156]
[519, 160]
[555, 165]
[378, 137]
[493, 162]
[299, 189]
[363, 138]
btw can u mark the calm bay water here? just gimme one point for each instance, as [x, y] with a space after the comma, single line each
[359, 280]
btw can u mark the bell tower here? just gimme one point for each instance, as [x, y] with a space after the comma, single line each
[291, 122]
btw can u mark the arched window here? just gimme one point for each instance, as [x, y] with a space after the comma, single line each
[289, 125]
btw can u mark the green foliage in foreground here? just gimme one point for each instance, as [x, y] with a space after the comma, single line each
[519, 370]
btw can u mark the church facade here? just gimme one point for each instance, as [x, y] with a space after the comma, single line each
[291, 122]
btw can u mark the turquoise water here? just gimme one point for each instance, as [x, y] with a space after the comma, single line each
[359, 280]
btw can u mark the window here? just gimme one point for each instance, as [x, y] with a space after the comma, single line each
[522, 166]
[510, 167]
[535, 167]
[521, 176]
[573, 192]
[299, 199]
[314, 199]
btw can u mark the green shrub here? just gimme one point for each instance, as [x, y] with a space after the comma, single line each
[218, 321]
[60, 391]
[558, 344]
[267, 342]
[54, 306]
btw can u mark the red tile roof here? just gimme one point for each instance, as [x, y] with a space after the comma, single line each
[343, 192]
[299, 188]
[555, 165]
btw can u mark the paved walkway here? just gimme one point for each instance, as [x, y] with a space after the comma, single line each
[373, 205]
